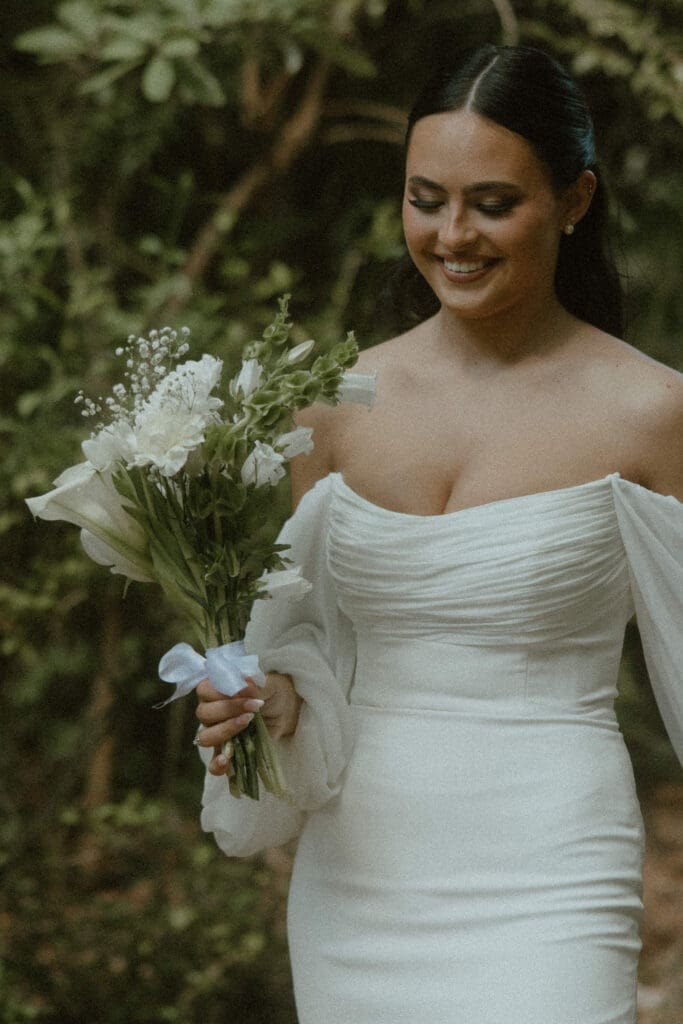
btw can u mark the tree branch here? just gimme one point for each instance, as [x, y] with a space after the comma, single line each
[363, 132]
[295, 134]
[260, 100]
[298, 130]
[508, 21]
[385, 113]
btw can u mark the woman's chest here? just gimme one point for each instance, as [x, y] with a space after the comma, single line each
[432, 453]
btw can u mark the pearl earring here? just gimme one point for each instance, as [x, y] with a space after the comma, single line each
[569, 229]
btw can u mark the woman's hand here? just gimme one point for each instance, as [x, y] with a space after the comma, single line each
[223, 717]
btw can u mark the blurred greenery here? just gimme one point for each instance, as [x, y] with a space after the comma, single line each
[188, 161]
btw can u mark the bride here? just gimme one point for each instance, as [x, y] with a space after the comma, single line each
[471, 843]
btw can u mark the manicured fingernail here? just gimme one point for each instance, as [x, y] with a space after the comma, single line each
[245, 719]
[222, 761]
[254, 704]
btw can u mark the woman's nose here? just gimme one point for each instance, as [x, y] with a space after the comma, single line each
[456, 230]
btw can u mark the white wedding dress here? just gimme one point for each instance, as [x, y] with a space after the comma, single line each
[470, 843]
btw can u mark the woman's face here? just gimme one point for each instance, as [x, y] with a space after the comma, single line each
[482, 221]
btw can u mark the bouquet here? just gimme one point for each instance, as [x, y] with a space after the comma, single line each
[176, 489]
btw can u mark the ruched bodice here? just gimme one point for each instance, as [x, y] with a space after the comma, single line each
[534, 591]
[517, 571]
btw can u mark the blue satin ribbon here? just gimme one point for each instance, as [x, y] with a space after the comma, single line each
[225, 667]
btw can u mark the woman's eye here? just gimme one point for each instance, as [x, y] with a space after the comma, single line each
[496, 209]
[425, 204]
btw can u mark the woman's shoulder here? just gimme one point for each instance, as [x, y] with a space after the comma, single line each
[648, 386]
[391, 360]
[648, 395]
[331, 424]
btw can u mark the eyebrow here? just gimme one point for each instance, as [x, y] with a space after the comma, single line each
[479, 186]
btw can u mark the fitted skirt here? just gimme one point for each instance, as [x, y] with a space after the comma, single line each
[481, 864]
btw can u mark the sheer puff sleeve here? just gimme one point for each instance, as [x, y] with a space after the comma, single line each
[651, 527]
[312, 641]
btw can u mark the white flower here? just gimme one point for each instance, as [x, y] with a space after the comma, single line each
[89, 499]
[358, 387]
[173, 421]
[286, 583]
[262, 466]
[248, 379]
[105, 554]
[112, 443]
[295, 442]
[299, 352]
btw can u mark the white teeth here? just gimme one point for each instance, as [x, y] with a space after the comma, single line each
[464, 268]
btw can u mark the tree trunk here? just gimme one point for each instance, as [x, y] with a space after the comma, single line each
[99, 755]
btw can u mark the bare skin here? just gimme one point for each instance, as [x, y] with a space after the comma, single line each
[502, 393]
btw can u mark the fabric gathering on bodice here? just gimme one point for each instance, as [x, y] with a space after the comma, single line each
[521, 570]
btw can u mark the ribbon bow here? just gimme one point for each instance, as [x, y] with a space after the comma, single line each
[225, 667]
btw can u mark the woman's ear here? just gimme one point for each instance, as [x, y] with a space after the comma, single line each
[578, 198]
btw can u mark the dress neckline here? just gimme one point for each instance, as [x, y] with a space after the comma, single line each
[496, 503]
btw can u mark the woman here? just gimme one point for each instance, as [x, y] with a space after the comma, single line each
[476, 549]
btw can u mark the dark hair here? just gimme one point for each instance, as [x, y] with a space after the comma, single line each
[526, 91]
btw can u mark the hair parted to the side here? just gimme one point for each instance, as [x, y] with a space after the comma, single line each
[528, 92]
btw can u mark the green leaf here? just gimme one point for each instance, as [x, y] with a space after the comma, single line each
[158, 80]
[51, 44]
[28, 402]
[123, 48]
[199, 85]
[80, 18]
[105, 78]
[182, 47]
[146, 27]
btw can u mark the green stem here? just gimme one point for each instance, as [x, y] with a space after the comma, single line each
[269, 757]
[220, 588]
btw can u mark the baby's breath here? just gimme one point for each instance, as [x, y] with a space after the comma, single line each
[147, 361]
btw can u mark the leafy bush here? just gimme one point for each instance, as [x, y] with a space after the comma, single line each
[133, 915]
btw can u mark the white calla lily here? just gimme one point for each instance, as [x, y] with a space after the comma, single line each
[116, 562]
[87, 498]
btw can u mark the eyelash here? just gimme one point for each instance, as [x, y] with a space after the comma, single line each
[498, 210]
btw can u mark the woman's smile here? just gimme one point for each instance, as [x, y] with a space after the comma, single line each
[465, 271]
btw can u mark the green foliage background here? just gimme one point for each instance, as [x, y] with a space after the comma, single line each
[188, 161]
